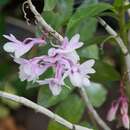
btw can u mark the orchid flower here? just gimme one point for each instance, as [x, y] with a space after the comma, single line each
[20, 48]
[79, 73]
[30, 70]
[68, 48]
[63, 59]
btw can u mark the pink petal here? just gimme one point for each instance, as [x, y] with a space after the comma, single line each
[86, 67]
[76, 79]
[55, 88]
[112, 112]
[75, 39]
[9, 47]
[125, 121]
[22, 49]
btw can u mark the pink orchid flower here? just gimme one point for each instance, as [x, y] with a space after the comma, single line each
[78, 74]
[20, 48]
[63, 59]
[30, 70]
[68, 48]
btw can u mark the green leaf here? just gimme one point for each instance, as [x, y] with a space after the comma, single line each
[97, 94]
[87, 11]
[46, 99]
[71, 109]
[65, 8]
[85, 28]
[105, 72]
[88, 28]
[53, 18]
[91, 52]
[96, 40]
[56, 126]
[88, 2]
[50, 5]
[60, 17]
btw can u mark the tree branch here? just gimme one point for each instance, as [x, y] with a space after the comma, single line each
[119, 42]
[42, 110]
[43, 23]
[100, 122]
[55, 34]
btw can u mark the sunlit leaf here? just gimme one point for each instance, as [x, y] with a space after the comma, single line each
[97, 94]
[87, 11]
[85, 28]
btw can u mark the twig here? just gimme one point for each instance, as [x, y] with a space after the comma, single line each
[119, 42]
[42, 110]
[60, 38]
[100, 122]
[43, 23]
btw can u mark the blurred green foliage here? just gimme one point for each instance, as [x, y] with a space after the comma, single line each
[62, 16]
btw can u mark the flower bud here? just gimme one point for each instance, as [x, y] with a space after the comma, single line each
[124, 107]
[125, 121]
[112, 112]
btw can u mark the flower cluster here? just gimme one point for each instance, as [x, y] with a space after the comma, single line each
[63, 59]
[119, 108]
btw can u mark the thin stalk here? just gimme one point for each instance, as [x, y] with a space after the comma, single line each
[42, 110]
[122, 31]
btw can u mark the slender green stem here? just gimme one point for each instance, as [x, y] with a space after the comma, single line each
[122, 23]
